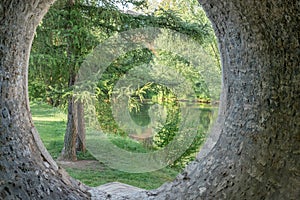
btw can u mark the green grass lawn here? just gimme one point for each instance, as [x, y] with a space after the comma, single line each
[149, 180]
[51, 125]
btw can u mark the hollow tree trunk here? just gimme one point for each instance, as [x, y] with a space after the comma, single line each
[256, 155]
[27, 171]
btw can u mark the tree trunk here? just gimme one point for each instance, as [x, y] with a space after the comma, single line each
[80, 142]
[75, 133]
[27, 171]
[253, 152]
[69, 150]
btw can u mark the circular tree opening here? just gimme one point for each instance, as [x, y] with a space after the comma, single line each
[150, 91]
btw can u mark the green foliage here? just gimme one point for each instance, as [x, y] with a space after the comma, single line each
[206, 119]
[127, 144]
[69, 33]
[37, 89]
[151, 93]
[167, 132]
[106, 119]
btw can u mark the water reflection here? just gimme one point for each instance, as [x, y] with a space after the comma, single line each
[154, 121]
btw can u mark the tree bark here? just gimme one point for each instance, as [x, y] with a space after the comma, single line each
[69, 149]
[27, 171]
[75, 133]
[80, 142]
[253, 151]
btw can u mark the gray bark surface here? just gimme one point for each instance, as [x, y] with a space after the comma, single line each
[69, 149]
[74, 139]
[254, 150]
[80, 141]
[26, 169]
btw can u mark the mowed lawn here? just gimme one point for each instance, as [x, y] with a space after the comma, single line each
[51, 125]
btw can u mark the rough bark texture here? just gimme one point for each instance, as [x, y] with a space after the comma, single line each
[80, 141]
[75, 133]
[69, 150]
[26, 169]
[256, 154]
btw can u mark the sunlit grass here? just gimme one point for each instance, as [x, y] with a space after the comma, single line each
[51, 125]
